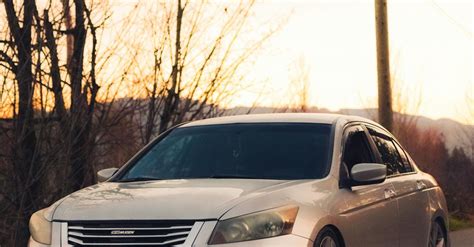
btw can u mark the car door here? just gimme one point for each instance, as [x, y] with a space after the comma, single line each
[370, 210]
[410, 190]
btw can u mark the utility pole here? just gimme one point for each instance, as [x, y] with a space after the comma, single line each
[383, 66]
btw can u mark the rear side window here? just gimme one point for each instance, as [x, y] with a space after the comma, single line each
[405, 160]
[388, 153]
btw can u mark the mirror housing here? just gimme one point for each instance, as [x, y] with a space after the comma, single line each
[368, 173]
[105, 174]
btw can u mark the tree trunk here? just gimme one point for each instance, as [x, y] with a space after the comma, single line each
[26, 161]
[79, 130]
[55, 72]
[69, 37]
[173, 96]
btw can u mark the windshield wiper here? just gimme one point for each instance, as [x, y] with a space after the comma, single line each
[217, 176]
[136, 179]
[236, 176]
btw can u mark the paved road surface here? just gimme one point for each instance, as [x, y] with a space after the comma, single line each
[462, 238]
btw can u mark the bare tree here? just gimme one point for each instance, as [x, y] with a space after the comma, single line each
[469, 127]
[71, 103]
[299, 86]
[25, 157]
[194, 68]
[31, 52]
[406, 107]
[407, 98]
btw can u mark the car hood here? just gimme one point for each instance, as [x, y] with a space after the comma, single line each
[166, 199]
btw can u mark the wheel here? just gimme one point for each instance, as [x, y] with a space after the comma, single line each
[437, 235]
[327, 238]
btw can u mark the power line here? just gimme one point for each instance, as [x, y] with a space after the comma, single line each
[454, 21]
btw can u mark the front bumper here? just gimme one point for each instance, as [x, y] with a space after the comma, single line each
[33, 243]
[199, 236]
[286, 240]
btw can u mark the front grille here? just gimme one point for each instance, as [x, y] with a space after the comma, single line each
[128, 233]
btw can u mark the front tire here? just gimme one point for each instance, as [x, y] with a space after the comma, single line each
[437, 236]
[327, 237]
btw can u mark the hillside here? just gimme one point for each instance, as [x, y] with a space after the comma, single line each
[456, 133]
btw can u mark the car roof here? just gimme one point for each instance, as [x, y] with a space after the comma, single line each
[323, 118]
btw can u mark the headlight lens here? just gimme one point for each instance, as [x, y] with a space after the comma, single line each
[259, 225]
[40, 228]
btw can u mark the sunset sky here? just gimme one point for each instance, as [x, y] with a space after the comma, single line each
[431, 45]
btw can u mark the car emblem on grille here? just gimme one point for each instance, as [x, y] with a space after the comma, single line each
[121, 232]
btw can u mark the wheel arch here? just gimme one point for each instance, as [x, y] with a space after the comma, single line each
[335, 229]
[440, 217]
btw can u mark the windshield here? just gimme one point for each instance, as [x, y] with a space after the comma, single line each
[253, 151]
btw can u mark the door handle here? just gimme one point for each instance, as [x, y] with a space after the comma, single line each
[389, 193]
[420, 185]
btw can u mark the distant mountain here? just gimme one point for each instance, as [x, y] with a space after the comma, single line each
[456, 134]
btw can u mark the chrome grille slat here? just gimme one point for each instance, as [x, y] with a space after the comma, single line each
[129, 228]
[128, 233]
[78, 234]
[80, 242]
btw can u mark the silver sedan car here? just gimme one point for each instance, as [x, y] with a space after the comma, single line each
[256, 180]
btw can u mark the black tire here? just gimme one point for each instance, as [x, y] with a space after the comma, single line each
[325, 235]
[437, 236]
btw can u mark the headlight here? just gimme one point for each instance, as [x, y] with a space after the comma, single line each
[40, 227]
[254, 226]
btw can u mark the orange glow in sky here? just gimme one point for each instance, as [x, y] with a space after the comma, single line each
[431, 44]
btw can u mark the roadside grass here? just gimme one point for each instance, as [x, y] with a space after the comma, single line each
[456, 223]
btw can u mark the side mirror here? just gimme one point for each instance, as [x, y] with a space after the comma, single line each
[105, 174]
[368, 173]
